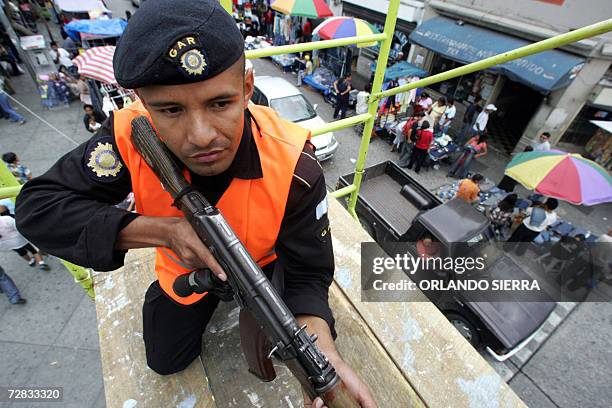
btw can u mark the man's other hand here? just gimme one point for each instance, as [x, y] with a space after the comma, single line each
[358, 389]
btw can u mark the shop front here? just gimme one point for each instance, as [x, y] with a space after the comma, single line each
[518, 88]
[405, 24]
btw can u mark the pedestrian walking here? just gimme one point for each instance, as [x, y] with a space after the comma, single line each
[342, 88]
[423, 103]
[435, 113]
[543, 143]
[447, 117]
[6, 106]
[409, 132]
[476, 147]
[424, 137]
[11, 239]
[21, 172]
[10, 289]
[483, 119]
[469, 117]
[62, 57]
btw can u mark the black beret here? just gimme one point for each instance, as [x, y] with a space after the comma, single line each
[172, 42]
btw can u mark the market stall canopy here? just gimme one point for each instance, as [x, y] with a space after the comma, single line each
[562, 175]
[465, 43]
[401, 69]
[97, 63]
[105, 27]
[304, 8]
[81, 6]
[334, 28]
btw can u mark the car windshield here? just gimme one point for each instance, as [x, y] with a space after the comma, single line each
[294, 108]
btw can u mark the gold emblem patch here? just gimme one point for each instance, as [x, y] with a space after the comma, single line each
[104, 161]
[193, 62]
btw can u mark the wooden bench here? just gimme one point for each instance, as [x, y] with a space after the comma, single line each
[406, 350]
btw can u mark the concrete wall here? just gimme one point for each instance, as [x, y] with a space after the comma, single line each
[557, 113]
[535, 20]
[571, 14]
[409, 10]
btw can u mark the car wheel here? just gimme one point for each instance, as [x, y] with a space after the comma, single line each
[464, 327]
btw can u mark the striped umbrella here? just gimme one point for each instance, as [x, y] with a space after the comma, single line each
[342, 27]
[304, 8]
[562, 175]
[97, 63]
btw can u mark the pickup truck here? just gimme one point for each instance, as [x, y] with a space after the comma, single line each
[393, 207]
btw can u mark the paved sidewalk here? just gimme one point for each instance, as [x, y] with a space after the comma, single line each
[52, 341]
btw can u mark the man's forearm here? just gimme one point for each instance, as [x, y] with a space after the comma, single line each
[325, 342]
[146, 232]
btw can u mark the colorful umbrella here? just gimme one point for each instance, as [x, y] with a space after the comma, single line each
[342, 27]
[97, 63]
[304, 8]
[562, 175]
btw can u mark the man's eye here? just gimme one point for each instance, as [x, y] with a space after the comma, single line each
[221, 104]
[172, 111]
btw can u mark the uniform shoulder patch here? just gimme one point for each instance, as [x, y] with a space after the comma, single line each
[308, 169]
[102, 162]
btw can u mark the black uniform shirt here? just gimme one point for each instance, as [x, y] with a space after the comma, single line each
[69, 212]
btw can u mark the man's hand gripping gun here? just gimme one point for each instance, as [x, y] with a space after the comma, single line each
[267, 326]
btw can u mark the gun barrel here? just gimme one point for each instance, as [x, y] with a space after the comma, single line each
[248, 281]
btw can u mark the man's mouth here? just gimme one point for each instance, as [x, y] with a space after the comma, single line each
[208, 157]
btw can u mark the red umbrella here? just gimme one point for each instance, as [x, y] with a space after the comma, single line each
[97, 63]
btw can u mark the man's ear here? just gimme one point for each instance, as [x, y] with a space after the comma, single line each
[249, 86]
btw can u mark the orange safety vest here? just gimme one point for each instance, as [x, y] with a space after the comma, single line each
[254, 208]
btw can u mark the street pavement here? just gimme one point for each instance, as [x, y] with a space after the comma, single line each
[53, 340]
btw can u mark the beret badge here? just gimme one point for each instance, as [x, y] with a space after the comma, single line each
[189, 57]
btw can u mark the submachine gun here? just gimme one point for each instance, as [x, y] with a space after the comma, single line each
[267, 326]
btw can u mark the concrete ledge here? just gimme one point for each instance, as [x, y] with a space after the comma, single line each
[128, 382]
[406, 351]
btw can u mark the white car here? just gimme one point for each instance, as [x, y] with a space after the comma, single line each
[280, 95]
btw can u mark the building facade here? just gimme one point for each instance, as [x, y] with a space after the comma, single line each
[558, 91]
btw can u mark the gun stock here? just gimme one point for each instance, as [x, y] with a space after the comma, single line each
[255, 347]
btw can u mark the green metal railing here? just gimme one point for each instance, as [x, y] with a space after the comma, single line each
[9, 186]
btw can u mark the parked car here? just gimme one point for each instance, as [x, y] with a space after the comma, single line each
[393, 207]
[290, 103]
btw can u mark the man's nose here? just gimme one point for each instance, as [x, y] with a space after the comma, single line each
[200, 131]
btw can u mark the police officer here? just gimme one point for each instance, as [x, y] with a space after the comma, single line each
[185, 59]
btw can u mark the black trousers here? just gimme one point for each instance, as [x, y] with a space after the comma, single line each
[172, 333]
[418, 156]
[521, 237]
[341, 105]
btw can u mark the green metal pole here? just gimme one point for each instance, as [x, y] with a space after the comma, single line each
[315, 45]
[381, 66]
[544, 45]
[9, 192]
[341, 124]
[227, 5]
